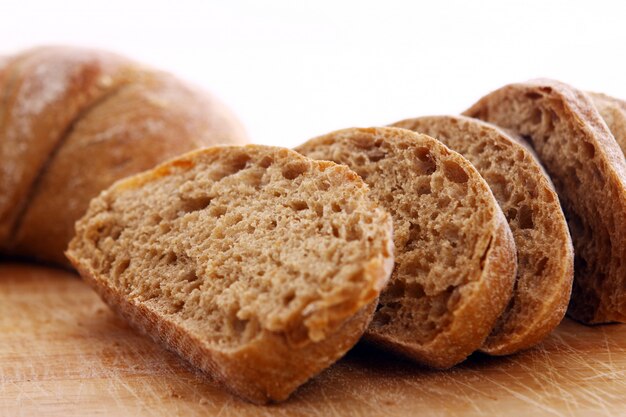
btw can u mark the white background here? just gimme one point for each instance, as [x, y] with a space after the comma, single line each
[292, 70]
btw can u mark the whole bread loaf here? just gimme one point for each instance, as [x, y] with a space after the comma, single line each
[455, 255]
[527, 197]
[72, 121]
[588, 169]
[256, 264]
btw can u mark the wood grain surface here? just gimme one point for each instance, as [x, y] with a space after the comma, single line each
[63, 353]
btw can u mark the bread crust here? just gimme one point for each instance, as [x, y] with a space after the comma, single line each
[267, 370]
[47, 88]
[270, 366]
[154, 118]
[589, 172]
[613, 111]
[541, 296]
[5, 71]
[106, 117]
[482, 300]
[476, 317]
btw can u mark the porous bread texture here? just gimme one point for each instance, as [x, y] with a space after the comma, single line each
[256, 264]
[613, 111]
[527, 197]
[588, 170]
[75, 120]
[455, 256]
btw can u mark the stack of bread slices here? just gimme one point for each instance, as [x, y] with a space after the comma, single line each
[433, 238]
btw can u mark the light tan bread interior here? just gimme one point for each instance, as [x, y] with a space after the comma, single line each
[531, 206]
[455, 256]
[258, 265]
[589, 172]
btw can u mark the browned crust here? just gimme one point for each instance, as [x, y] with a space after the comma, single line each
[97, 73]
[613, 111]
[63, 170]
[595, 299]
[482, 301]
[556, 289]
[90, 160]
[266, 370]
[475, 318]
[6, 64]
[271, 367]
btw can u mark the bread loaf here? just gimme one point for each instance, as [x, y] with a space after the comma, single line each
[589, 172]
[455, 255]
[530, 203]
[75, 120]
[256, 264]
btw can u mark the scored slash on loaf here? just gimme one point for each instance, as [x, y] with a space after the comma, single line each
[75, 120]
[256, 264]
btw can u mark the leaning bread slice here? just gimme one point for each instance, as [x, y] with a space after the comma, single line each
[613, 111]
[256, 264]
[589, 173]
[455, 255]
[530, 203]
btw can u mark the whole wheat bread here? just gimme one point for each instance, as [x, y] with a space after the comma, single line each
[530, 203]
[256, 264]
[455, 255]
[589, 172]
[74, 120]
[613, 111]
[143, 123]
[46, 89]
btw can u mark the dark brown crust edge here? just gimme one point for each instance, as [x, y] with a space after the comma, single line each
[474, 320]
[279, 369]
[586, 117]
[554, 303]
[268, 368]
[488, 296]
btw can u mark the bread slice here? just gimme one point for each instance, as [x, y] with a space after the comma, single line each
[455, 255]
[153, 118]
[45, 91]
[527, 197]
[613, 111]
[256, 264]
[589, 172]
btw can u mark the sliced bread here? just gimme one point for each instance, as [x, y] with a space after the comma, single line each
[589, 172]
[455, 255]
[256, 264]
[527, 197]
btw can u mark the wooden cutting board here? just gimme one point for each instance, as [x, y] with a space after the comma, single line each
[63, 353]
